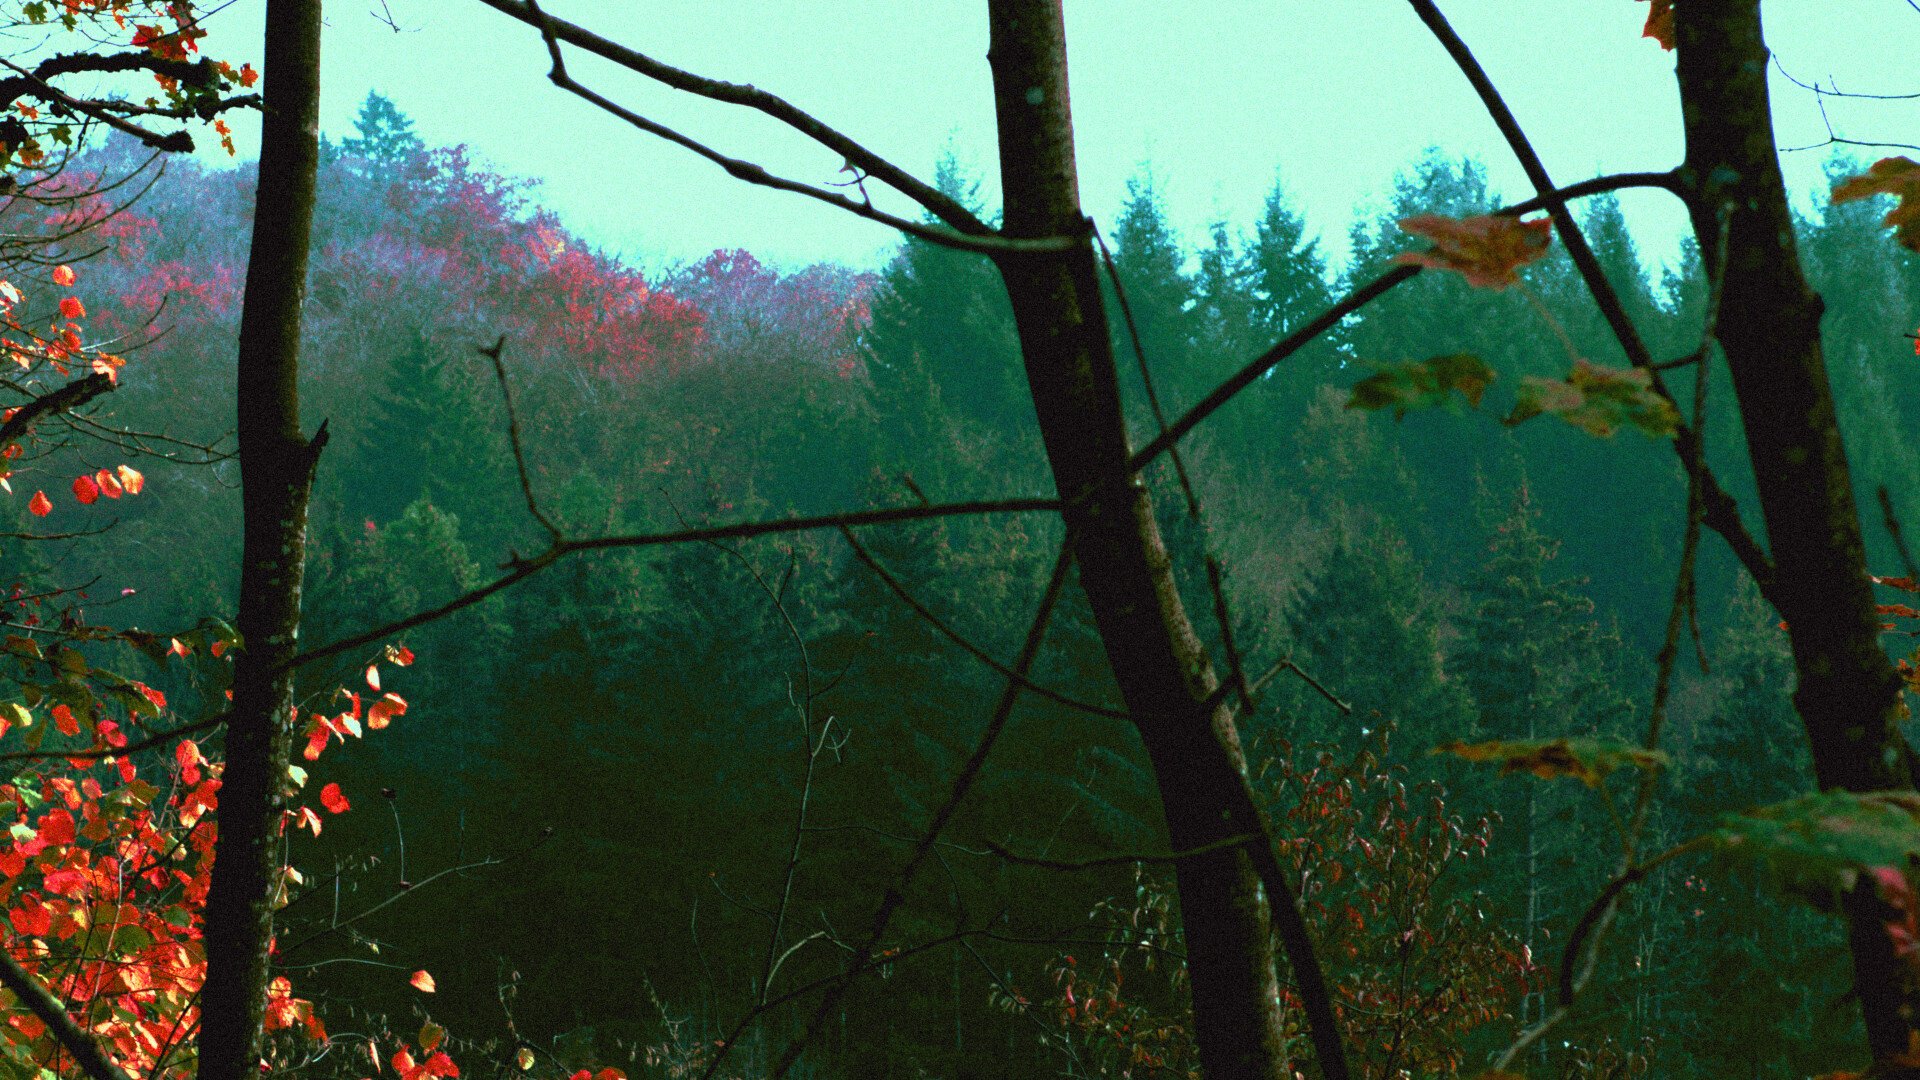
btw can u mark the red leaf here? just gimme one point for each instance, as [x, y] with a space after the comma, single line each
[422, 982]
[382, 712]
[72, 308]
[335, 802]
[39, 505]
[85, 490]
[63, 275]
[109, 484]
[63, 719]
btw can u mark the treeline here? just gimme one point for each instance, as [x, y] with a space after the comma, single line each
[596, 791]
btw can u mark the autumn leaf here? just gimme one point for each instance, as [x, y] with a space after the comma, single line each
[1598, 400]
[1590, 761]
[108, 484]
[337, 803]
[430, 1034]
[382, 712]
[1660, 23]
[1420, 384]
[39, 505]
[1486, 249]
[1897, 176]
[130, 479]
[63, 275]
[72, 308]
[422, 982]
[523, 1057]
[85, 490]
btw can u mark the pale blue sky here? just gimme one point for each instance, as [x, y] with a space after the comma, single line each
[1334, 94]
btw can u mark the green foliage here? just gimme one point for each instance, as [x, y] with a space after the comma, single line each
[1598, 401]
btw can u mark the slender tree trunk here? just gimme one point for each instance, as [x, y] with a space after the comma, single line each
[276, 473]
[1848, 695]
[1161, 667]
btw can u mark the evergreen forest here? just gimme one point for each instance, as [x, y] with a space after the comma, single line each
[613, 786]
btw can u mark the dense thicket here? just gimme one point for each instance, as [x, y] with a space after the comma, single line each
[613, 754]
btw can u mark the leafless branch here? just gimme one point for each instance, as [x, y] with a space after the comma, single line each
[495, 353]
[985, 242]
[522, 568]
[1892, 524]
[926, 615]
[941, 205]
[962, 785]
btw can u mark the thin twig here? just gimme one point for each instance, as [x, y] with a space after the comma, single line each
[522, 568]
[1892, 523]
[495, 353]
[962, 785]
[1127, 859]
[926, 614]
[988, 243]
[936, 202]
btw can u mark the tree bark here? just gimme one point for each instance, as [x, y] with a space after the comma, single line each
[276, 473]
[1162, 669]
[1848, 695]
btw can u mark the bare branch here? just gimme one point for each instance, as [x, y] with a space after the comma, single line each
[926, 615]
[740, 169]
[495, 353]
[942, 206]
[71, 396]
[524, 568]
[962, 785]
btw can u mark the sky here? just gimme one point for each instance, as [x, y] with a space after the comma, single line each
[1215, 100]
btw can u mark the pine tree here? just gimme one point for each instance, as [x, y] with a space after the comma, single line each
[383, 134]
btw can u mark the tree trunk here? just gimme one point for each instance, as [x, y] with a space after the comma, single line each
[276, 474]
[1161, 667]
[1848, 695]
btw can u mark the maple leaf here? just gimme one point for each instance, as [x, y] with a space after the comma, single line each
[1660, 23]
[337, 803]
[1486, 249]
[422, 982]
[85, 490]
[39, 505]
[63, 275]
[1897, 176]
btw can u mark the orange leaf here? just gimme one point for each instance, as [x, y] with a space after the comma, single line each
[130, 479]
[63, 719]
[1898, 176]
[109, 484]
[85, 490]
[39, 505]
[1485, 249]
[63, 275]
[422, 982]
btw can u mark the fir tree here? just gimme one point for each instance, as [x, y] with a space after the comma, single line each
[382, 133]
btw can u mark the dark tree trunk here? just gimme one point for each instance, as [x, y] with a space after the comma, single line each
[1162, 669]
[276, 473]
[1848, 695]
